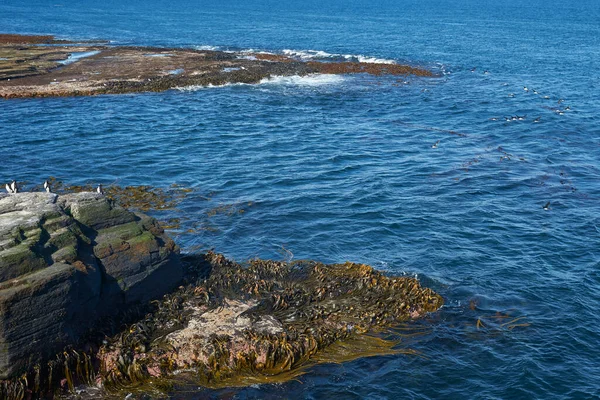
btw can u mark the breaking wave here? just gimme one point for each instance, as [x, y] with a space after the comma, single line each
[294, 80]
[307, 80]
[323, 55]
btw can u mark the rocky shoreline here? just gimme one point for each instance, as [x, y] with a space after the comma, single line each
[40, 66]
[75, 267]
[68, 261]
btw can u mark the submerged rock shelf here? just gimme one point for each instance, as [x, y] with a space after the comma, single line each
[41, 66]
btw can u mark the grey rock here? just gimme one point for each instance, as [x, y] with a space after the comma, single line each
[67, 261]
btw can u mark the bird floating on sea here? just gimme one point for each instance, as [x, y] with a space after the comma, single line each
[435, 145]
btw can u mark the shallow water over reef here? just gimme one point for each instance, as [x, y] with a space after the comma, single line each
[442, 178]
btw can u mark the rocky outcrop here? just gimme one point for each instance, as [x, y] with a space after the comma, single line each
[67, 261]
[239, 323]
[30, 70]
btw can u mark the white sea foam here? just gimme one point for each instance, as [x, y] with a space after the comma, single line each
[312, 80]
[319, 54]
[194, 88]
[307, 80]
[252, 51]
[307, 54]
[370, 60]
[206, 47]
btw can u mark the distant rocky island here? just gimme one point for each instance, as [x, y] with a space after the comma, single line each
[95, 296]
[42, 66]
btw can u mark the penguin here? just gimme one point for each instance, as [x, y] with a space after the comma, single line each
[8, 189]
[435, 145]
[99, 189]
[47, 187]
[14, 187]
[546, 206]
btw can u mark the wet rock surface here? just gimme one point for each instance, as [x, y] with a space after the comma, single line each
[30, 70]
[229, 324]
[237, 323]
[66, 262]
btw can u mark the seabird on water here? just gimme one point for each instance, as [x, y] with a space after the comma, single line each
[546, 206]
[99, 189]
[435, 145]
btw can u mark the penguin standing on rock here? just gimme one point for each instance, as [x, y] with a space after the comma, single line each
[14, 187]
[99, 189]
[47, 187]
[8, 188]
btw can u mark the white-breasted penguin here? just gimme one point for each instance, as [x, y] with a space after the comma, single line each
[99, 189]
[14, 187]
[8, 188]
[47, 187]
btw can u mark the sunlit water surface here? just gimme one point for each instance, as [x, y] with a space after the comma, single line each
[427, 177]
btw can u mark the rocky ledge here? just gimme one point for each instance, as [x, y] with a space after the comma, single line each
[39, 66]
[68, 261]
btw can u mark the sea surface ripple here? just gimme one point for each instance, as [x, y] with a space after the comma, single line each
[442, 178]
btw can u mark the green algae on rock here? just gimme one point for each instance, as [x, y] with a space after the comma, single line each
[242, 324]
[236, 325]
[230, 325]
[66, 262]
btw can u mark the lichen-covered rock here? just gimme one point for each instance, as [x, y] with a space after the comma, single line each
[65, 262]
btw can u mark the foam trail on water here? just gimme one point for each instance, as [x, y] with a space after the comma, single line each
[207, 47]
[193, 88]
[307, 80]
[319, 54]
[294, 80]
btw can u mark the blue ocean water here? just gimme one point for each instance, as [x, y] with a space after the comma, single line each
[427, 177]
